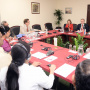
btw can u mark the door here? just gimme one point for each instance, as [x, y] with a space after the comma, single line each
[88, 15]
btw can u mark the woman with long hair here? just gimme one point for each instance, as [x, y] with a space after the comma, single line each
[20, 76]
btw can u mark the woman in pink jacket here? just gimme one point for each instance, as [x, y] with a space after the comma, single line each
[5, 34]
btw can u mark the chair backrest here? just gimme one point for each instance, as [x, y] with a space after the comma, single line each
[48, 26]
[36, 26]
[74, 27]
[58, 28]
[64, 25]
[15, 30]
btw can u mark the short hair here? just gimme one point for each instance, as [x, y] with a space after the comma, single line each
[82, 75]
[70, 21]
[3, 22]
[83, 19]
[25, 20]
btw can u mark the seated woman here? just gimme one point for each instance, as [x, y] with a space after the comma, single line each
[5, 58]
[5, 34]
[20, 76]
[82, 75]
[69, 25]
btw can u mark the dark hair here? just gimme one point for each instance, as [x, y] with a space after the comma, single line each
[82, 75]
[25, 20]
[18, 58]
[4, 30]
[70, 21]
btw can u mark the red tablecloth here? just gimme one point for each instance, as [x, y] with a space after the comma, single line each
[61, 53]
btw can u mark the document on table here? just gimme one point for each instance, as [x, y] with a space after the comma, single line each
[39, 55]
[14, 41]
[87, 56]
[72, 51]
[50, 59]
[31, 49]
[65, 70]
[70, 33]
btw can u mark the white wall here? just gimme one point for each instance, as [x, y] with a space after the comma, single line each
[15, 11]
[79, 9]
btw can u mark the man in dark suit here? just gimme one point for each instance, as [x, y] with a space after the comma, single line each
[83, 25]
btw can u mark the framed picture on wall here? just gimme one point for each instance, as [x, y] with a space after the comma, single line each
[68, 10]
[35, 8]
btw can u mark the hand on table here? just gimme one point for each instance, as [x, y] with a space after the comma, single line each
[52, 68]
[36, 64]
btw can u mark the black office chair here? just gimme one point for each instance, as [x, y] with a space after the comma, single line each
[64, 25]
[48, 26]
[36, 26]
[15, 30]
[58, 28]
[74, 27]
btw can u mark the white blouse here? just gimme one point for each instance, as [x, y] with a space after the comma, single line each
[30, 78]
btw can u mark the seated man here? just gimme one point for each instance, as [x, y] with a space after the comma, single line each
[5, 59]
[4, 23]
[82, 75]
[26, 28]
[83, 25]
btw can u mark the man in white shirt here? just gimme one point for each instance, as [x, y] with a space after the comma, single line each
[26, 28]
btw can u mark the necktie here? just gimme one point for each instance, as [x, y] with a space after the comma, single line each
[27, 29]
[82, 27]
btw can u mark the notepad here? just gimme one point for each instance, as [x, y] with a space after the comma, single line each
[65, 70]
[14, 41]
[70, 33]
[31, 49]
[87, 56]
[72, 51]
[39, 55]
[50, 59]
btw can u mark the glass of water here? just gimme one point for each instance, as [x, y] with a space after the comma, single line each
[74, 48]
[70, 46]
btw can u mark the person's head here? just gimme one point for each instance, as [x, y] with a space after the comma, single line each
[26, 22]
[82, 21]
[5, 31]
[20, 54]
[81, 79]
[69, 21]
[4, 23]
[1, 42]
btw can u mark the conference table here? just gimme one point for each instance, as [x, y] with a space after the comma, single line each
[59, 52]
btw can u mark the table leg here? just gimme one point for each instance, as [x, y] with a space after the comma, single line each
[71, 87]
[51, 40]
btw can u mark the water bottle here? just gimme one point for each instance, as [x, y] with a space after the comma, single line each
[80, 50]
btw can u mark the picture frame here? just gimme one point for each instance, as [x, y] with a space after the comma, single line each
[68, 10]
[35, 8]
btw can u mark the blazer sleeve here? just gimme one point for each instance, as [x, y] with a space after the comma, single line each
[72, 27]
[87, 27]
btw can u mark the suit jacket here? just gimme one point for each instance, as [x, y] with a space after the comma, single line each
[85, 25]
[70, 27]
